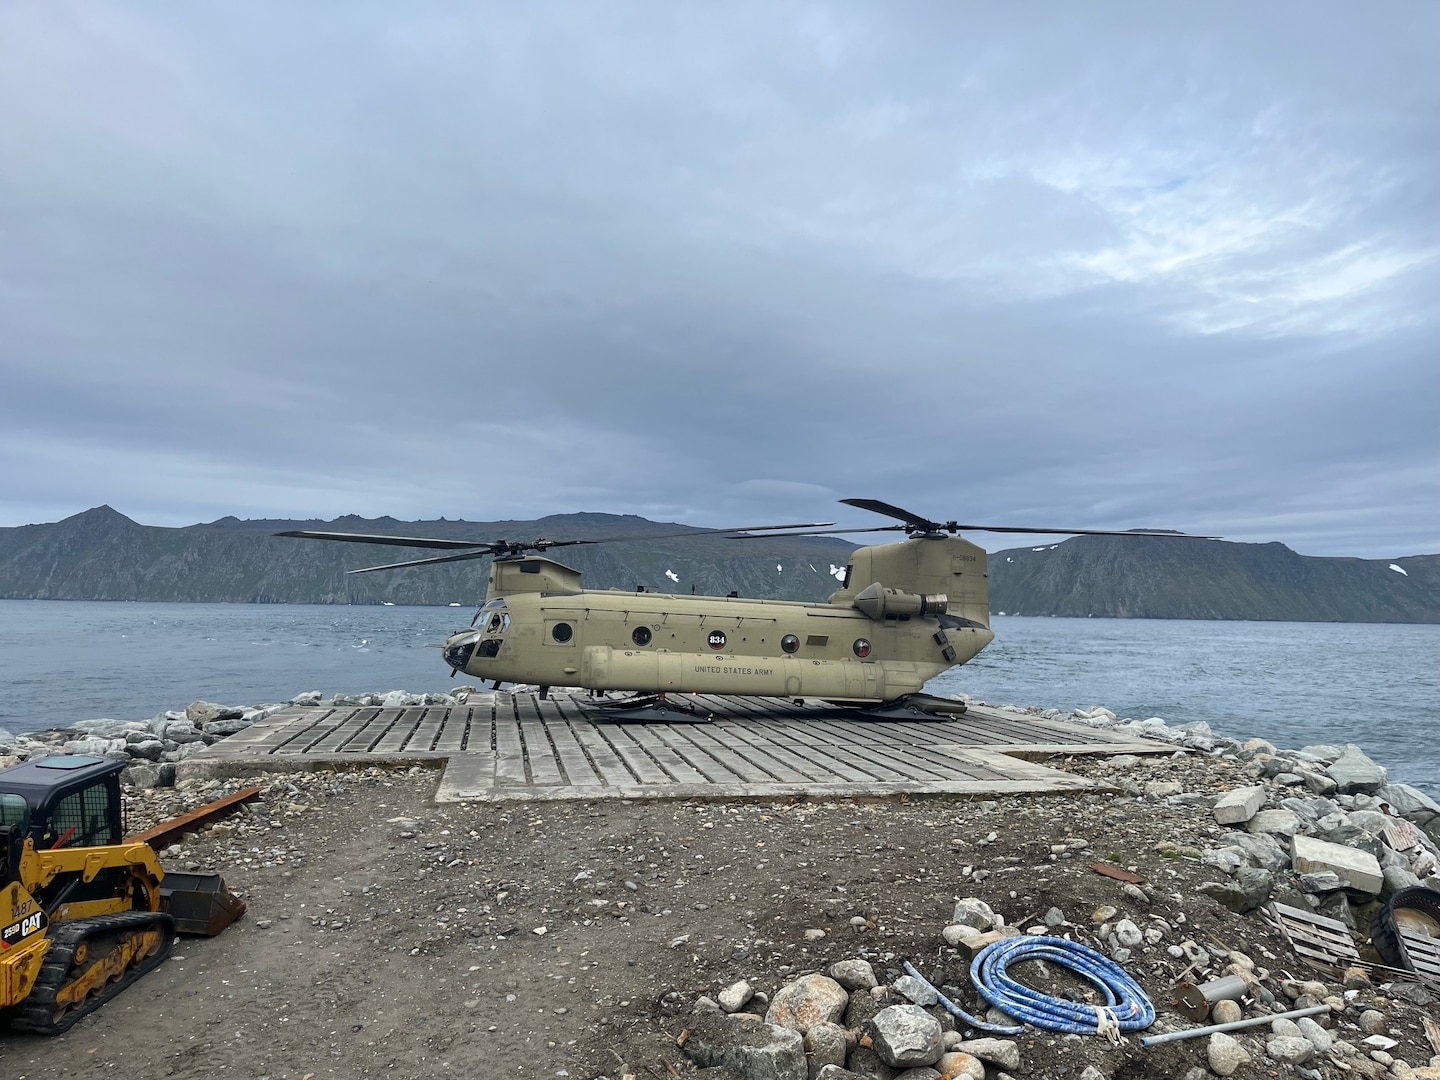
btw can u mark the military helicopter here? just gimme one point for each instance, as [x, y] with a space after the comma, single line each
[905, 612]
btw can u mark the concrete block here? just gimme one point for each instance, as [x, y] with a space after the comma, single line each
[1239, 805]
[1358, 869]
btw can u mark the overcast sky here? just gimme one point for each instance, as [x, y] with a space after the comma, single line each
[1102, 265]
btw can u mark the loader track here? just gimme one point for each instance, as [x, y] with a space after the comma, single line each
[89, 962]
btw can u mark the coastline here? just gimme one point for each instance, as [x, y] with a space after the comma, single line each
[597, 932]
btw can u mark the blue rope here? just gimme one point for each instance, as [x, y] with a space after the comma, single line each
[1128, 1007]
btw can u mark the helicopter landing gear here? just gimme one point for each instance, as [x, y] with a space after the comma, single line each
[655, 708]
[915, 707]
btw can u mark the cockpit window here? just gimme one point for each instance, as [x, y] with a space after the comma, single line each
[481, 616]
[845, 581]
[499, 622]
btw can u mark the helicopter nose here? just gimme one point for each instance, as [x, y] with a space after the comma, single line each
[460, 648]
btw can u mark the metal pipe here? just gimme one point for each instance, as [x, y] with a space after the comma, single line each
[1235, 1025]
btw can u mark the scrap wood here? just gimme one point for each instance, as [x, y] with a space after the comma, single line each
[1119, 873]
[1432, 1032]
[1321, 943]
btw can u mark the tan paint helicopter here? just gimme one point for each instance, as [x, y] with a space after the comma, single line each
[905, 612]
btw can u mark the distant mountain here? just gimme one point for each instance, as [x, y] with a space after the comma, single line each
[1145, 578]
[103, 555]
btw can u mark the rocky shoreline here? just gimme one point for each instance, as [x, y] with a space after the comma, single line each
[1216, 830]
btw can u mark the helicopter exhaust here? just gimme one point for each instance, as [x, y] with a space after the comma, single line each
[879, 602]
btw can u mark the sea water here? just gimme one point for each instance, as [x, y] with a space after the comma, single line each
[1374, 684]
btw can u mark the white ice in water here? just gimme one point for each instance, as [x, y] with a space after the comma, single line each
[1399, 569]
[672, 576]
[1039, 549]
[778, 568]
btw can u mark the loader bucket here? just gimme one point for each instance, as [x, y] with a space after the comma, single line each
[199, 903]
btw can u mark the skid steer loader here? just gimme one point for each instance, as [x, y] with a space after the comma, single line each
[82, 912]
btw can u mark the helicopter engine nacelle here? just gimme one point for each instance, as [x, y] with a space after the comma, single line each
[878, 602]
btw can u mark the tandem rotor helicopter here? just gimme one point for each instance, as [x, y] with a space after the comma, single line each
[905, 612]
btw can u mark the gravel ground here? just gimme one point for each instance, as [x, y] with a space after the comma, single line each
[387, 935]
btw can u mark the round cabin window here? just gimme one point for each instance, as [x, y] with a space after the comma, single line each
[562, 632]
[861, 647]
[641, 636]
[716, 640]
[790, 643]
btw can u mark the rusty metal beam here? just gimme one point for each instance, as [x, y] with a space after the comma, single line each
[167, 832]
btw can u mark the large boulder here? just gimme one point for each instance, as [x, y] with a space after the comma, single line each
[110, 729]
[826, 1045]
[759, 1050]
[1261, 849]
[1250, 888]
[225, 727]
[201, 713]
[853, 974]
[906, 1035]
[808, 1000]
[1354, 773]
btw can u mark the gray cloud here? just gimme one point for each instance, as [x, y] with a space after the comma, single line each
[1114, 266]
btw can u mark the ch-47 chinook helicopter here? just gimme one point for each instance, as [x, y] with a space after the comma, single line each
[905, 612]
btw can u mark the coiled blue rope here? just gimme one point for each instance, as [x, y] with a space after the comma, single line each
[1127, 1007]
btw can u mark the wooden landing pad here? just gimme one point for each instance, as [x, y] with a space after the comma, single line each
[514, 746]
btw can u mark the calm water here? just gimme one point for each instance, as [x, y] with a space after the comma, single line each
[1293, 683]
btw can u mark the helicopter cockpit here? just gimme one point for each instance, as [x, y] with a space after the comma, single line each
[490, 624]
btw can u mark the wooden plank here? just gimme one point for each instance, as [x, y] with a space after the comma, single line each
[539, 754]
[700, 743]
[371, 733]
[778, 760]
[343, 732]
[1324, 944]
[636, 759]
[480, 729]
[167, 832]
[423, 739]
[1422, 953]
[599, 754]
[663, 754]
[509, 751]
[399, 734]
[818, 756]
[1119, 873]
[295, 738]
[455, 730]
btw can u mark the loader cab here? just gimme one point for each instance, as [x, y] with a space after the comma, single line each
[62, 801]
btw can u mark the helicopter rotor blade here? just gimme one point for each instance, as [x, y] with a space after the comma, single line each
[393, 541]
[462, 557]
[824, 532]
[1171, 533]
[911, 519]
[477, 549]
[545, 544]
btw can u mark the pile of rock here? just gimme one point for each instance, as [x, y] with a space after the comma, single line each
[843, 1023]
[1326, 813]
[154, 747]
[837, 1025]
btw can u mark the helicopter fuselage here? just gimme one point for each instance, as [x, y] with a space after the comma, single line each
[888, 629]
